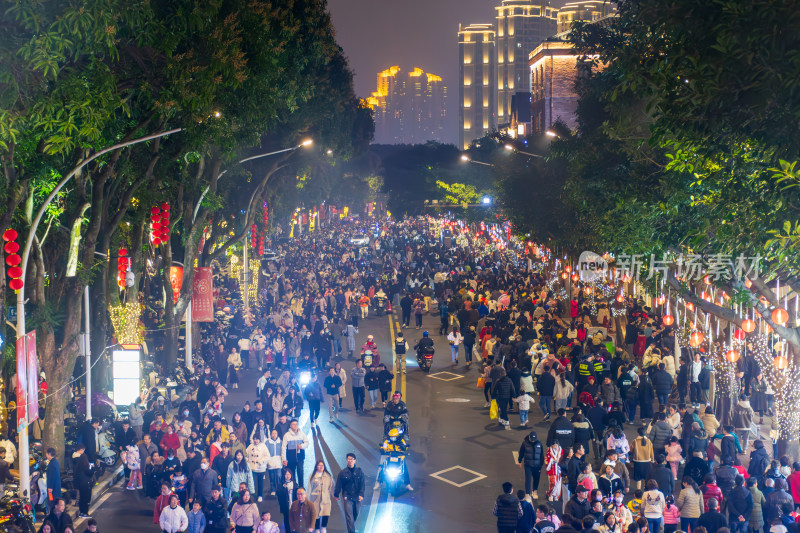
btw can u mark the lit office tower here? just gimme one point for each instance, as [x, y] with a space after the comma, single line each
[408, 107]
[477, 78]
[521, 26]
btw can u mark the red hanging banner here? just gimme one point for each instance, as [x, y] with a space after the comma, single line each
[33, 377]
[22, 379]
[203, 295]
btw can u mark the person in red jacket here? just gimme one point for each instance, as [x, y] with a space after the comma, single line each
[710, 490]
[162, 501]
[794, 483]
[170, 441]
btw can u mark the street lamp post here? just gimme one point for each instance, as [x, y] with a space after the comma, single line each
[513, 149]
[465, 157]
[24, 451]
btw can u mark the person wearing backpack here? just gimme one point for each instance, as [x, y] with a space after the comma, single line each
[531, 460]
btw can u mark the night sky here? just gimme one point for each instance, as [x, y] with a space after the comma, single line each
[377, 34]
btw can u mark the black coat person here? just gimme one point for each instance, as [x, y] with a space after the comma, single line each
[88, 436]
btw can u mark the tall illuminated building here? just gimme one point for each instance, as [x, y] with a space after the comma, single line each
[584, 10]
[408, 107]
[477, 89]
[521, 26]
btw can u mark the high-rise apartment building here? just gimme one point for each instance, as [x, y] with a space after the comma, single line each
[521, 26]
[408, 107]
[477, 89]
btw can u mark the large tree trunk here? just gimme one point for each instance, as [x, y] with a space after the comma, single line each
[58, 363]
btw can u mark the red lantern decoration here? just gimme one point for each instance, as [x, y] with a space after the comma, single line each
[165, 206]
[780, 316]
[690, 306]
[732, 356]
[564, 275]
[154, 210]
[568, 268]
[10, 235]
[781, 362]
[156, 241]
[12, 259]
[620, 298]
[748, 283]
[749, 326]
[123, 252]
[696, 339]
[668, 320]
[575, 277]
[739, 334]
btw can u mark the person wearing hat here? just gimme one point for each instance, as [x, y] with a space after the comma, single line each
[578, 505]
[531, 459]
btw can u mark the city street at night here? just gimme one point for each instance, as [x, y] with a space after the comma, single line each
[353, 266]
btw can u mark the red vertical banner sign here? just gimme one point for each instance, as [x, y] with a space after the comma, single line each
[22, 379]
[203, 295]
[33, 377]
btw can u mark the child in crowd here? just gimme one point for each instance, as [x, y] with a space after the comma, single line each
[672, 515]
[635, 504]
[197, 520]
[587, 478]
[266, 525]
[134, 464]
[674, 456]
[524, 400]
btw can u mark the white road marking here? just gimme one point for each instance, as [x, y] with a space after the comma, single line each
[79, 523]
[373, 508]
[450, 375]
[516, 457]
[478, 476]
[457, 400]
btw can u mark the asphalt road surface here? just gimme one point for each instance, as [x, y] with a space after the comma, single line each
[451, 435]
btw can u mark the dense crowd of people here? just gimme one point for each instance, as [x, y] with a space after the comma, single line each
[209, 465]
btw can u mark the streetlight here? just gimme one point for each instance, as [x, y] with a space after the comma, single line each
[465, 157]
[307, 142]
[512, 149]
[551, 133]
[486, 200]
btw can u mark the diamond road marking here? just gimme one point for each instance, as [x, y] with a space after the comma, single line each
[450, 374]
[438, 475]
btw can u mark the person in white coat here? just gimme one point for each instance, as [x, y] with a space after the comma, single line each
[257, 457]
[454, 339]
[173, 518]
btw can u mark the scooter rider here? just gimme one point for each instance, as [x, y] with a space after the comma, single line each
[424, 343]
[394, 445]
[370, 346]
[395, 409]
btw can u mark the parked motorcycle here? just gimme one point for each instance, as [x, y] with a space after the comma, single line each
[16, 515]
[425, 358]
[106, 454]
